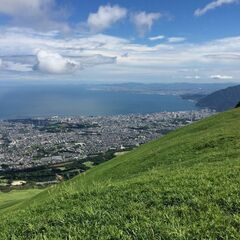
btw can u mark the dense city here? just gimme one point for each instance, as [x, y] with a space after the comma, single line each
[33, 142]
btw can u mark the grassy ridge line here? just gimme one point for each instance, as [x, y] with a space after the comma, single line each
[183, 186]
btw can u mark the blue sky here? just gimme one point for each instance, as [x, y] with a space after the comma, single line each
[120, 40]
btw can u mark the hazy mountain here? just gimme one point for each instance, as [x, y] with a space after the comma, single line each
[221, 100]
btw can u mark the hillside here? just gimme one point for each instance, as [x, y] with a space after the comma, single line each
[14, 197]
[221, 100]
[182, 186]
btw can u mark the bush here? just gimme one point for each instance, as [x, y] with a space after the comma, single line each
[238, 105]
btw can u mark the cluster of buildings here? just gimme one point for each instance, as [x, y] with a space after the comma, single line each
[38, 142]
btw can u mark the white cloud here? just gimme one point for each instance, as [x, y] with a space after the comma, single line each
[15, 66]
[116, 58]
[226, 56]
[176, 39]
[221, 77]
[54, 63]
[95, 60]
[159, 37]
[105, 17]
[143, 21]
[193, 77]
[39, 14]
[213, 5]
[25, 7]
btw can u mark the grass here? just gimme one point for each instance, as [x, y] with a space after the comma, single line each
[7, 200]
[89, 164]
[182, 186]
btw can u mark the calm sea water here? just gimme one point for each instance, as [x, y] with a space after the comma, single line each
[43, 101]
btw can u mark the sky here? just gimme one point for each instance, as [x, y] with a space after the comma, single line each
[120, 40]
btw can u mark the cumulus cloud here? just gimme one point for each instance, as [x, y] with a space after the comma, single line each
[54, 63]
[176, 39]
[105, 17]
[144, 21]
[212, 6]
[221, 77]
[159, 37]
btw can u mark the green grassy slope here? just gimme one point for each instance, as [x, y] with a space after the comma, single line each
[8, 200]
[183, 186]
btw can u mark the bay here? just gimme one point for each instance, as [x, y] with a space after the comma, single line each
[45, 101]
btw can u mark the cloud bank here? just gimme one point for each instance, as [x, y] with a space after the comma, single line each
[115, 58]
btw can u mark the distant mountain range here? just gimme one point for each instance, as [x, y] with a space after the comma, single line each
[221, 100]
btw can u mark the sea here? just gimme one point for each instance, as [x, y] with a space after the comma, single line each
[63, 100]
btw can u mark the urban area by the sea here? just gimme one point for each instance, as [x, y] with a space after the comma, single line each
[65, 146]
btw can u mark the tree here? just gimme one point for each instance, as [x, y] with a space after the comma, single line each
[238, 105]
[4, 166]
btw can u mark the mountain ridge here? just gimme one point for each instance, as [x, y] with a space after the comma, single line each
[221, 100]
